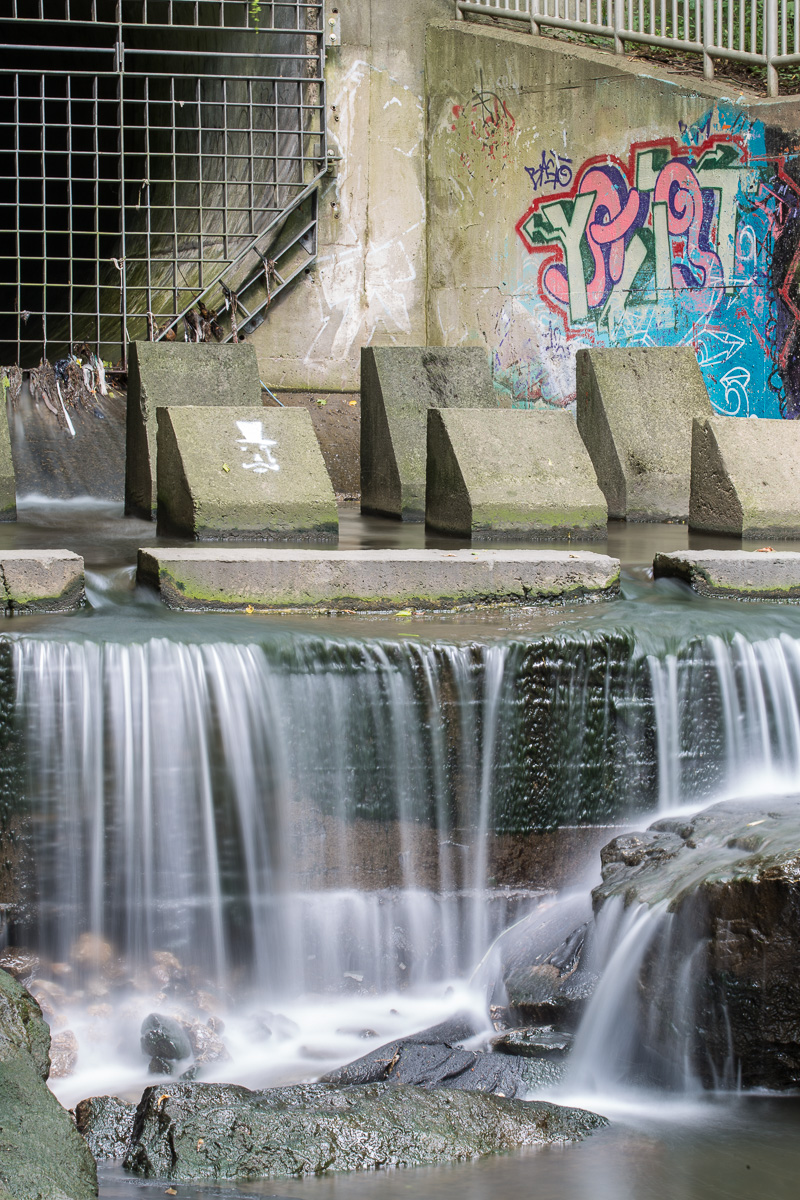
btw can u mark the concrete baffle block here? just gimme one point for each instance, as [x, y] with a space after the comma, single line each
[746, 477]
[168, 374]
[40, 581]
[199, 578]
[8, 483]
[635, 411]
[398, 386]
[242, 473]
[513, 473]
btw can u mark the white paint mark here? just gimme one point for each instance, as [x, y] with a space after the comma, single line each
[253, 442]
[393, 100]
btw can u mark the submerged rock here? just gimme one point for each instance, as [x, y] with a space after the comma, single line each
[63, 1054]
[107, 1123]
[42, 1155]
[726, 951]
[189, 1132]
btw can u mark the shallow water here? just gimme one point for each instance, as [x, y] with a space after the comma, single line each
[739, 1147]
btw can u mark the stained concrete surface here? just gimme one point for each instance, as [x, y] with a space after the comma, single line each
[39, 581]
[748, 575]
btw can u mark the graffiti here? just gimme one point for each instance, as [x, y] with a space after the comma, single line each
[490, 125]
[554, 170]
[254, 442]
[679, 242]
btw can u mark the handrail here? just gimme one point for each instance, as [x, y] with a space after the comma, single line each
[760, 32]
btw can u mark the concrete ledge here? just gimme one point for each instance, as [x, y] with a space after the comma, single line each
[40, 581]
[738, 574]
[515, 474]
[200, 579]
[746, 477]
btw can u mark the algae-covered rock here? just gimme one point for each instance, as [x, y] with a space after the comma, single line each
[42, 1155]
[188, 1132]
[106, 1122]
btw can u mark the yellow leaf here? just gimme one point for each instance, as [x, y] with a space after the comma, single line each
[405, 612]
[352, 402]
[225, 468]
[249, 609]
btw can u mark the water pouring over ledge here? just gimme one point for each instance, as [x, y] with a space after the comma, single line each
[340, 826]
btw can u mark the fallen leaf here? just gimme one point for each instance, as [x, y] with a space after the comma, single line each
[321, 403]
[352, 402]
[225, 468]
[404, 612]
[171, 1192]
[249, 609]
[162, 1098]
[765, 550]
[200, 1143]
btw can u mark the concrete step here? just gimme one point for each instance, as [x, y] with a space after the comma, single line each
[745, 574]
[206, 578]
[41, 581]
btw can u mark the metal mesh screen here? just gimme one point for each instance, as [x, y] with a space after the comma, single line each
[151, 152]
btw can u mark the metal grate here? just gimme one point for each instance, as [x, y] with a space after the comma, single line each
[154, 153]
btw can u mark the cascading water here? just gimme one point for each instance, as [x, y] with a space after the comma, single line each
[318, 825]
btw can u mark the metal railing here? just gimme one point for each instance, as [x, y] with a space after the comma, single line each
[758, 32]
[154, 154]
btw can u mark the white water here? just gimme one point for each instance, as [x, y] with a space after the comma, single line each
[243, 810]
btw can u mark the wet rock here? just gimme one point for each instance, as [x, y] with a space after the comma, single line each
[106, 1122]
[264, 1025]
[553, 988]
[537, 1042]
[42, 1156]
[63, 1054]
[22, 964]
[435, 1058]
[207, 1046]
[205, 1132]
[164, 1039]
[728, 883]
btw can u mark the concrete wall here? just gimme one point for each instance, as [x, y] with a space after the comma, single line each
[478, 169]
[368, 285]
[535, 148]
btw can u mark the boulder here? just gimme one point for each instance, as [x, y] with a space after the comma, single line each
[242, 473]
[513, 474]
[635, 409]
[723, 887]
[745, 477]
[8, 482]
[168, 374]
[42, 1155]
[164, 1041]
[106, 1122]
[398, 386]
[538, 1041]
[187, 1132]
[40, 581]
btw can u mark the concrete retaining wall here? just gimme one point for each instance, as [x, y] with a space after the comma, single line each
[8, 484]
[373, 580]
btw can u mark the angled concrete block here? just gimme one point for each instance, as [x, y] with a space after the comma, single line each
[199, 578]
[165, 375]
[40, 581]
[635, 410]
[8, 483]
[398, 386]
[508, 474]
[242, 473]
[746, 477]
